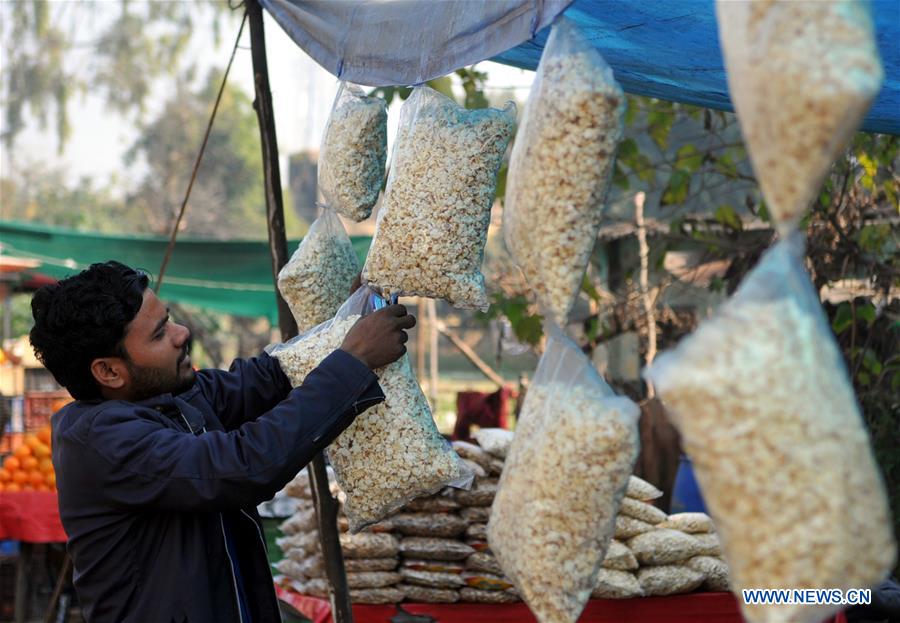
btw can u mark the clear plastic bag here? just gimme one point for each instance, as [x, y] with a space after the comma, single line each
[553, 517]
[372, 579]
[615, 584]
[371, 564]
[432, 579]
[365, 545]
[433, 548]
[802, 76]
[640, 489]
[619, 557]
[643, 511]
[353, 153]
[429, 524]
[432, 226]
[560, 168]
[714, 570]
[663, 547]
[669, 580]
[423, 594]
[692, 523]
[495, 441]
[766, 411]
[390, 595]
[317, 278]
[392, 452]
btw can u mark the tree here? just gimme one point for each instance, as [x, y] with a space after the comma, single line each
[55, 51]
[226, 200]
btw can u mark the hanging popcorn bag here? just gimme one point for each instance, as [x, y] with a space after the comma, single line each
[432, 226]
[567, 470]
[353, 152]
[317, 278]
[392, 452]
[560, 168]
[802, 76]
[767, 413]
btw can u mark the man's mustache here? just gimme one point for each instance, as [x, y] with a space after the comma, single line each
[187, 348]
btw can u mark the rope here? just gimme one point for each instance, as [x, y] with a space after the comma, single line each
[187, 195]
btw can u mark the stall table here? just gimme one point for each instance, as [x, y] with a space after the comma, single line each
[29, 517]
[690, 608]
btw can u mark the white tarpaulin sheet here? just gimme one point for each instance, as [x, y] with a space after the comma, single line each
[404, 42]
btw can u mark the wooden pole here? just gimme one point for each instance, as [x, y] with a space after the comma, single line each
[326, 505]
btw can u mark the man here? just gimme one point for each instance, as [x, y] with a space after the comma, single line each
[159, 469]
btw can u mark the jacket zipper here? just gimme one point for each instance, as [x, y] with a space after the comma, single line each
[266, 553]
[237, 596]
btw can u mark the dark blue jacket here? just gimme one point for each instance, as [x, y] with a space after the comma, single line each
[146, 488]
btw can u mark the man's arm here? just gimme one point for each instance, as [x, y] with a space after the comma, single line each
[135, 462]
[252, 386]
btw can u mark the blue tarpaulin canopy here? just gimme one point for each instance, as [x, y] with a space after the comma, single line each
[668, 49]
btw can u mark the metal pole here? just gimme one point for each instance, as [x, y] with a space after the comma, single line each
[326, 505]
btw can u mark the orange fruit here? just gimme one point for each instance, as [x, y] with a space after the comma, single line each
[44, 435]
[29, 463]
[35, 478]
[5, 476]
[19, 477]
[12, 487]
[45, 465]
[27, 487]
[11, 464]
[41, 450]
[42, 487]
[32, 441]
[23, 450]
[51, 480]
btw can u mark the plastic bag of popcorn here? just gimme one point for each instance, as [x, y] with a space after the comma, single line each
[560, 167]
[432, 226]
[766, 411]
[802, 76]
[554, 513]
[392, 452]
[353, 152]
[317, 278]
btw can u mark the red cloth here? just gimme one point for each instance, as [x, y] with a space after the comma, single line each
[482, 409]
[706, 607]
[31, 516]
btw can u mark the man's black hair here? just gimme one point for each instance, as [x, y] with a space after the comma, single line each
[84, 317]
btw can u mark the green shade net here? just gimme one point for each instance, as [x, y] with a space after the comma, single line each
[233, 277]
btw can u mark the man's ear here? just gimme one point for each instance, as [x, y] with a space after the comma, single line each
[109, 372]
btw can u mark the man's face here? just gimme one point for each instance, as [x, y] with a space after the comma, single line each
[159, 360]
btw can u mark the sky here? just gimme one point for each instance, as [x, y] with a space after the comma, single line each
[302, 94]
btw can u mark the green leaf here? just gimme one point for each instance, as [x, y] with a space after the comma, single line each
[689, 159]
[843, 319]
[443, 85]
[764, 212]
[677, 189]
[726, 215]
[620, 178]
[825, 199]
[873, 237]
[627, 149]
[660, 124]
[871, 362]
[588, 288]
[867, 313]
[864, 379]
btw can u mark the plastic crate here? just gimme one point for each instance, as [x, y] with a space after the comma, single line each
[39, 406]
